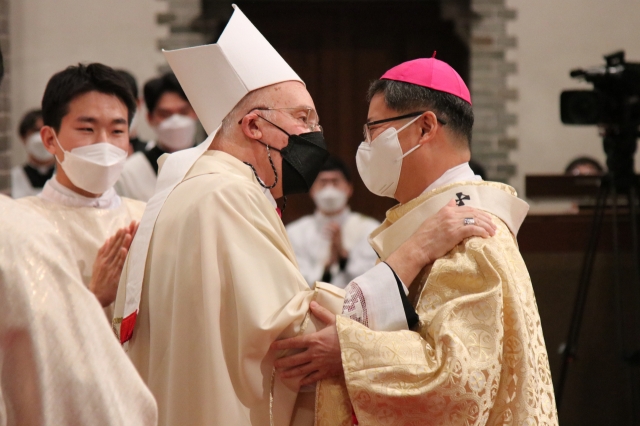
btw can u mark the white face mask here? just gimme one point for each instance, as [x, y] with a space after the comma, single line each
[330, 199]
[36, 148]
[176, 133]
[94, 168]
[380, 161]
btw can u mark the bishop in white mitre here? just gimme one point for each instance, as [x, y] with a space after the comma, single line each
[59, 362]
[211, 279]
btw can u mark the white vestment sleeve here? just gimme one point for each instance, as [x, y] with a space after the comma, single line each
[373, 300]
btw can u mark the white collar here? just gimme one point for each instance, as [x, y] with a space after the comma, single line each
[267, 193]
[460, 173]
[55, 192]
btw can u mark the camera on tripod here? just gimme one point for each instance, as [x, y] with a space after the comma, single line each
[615, 98]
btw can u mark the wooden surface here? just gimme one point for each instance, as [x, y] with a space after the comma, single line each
[338, 48]
[598, 387]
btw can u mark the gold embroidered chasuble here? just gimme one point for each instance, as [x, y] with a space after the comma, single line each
[477, 355]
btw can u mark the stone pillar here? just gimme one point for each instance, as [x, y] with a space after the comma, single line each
[5, 122]
[489, 89]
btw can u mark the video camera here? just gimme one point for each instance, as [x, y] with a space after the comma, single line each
[614, 100]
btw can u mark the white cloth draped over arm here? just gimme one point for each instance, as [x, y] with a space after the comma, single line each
[373, 299]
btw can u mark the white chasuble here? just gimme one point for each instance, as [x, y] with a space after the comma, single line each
[477, 356]
[86, 229]
[59, 361]
[221, 284]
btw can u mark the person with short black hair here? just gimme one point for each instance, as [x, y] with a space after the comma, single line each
[170, 114]
[55, 342]
[584, 166]
[86, 111]
[472, 349]
[29, 178]
[136, 144]
[331, 244]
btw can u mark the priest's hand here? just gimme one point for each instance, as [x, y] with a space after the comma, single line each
[321, 357]
[109, 263]
[438, 235]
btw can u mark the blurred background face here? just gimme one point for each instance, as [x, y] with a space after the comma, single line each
[333, 178]
[93, 117]
[170, 103]
[34, 130]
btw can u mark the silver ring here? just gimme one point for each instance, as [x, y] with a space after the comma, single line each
[469, 221]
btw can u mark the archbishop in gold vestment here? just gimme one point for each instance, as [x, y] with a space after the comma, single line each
[477, 355]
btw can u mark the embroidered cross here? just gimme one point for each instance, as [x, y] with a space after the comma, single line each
[461, 198]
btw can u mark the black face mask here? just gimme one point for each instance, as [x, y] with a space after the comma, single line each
[302, 160]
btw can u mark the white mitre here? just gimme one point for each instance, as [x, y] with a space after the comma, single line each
[215, 78]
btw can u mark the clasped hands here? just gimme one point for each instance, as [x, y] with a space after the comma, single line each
[109, 262]
[321, 356]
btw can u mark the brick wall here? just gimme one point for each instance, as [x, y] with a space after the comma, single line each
[180, 17]
[489, 89]
[490, 68]
[5, 123]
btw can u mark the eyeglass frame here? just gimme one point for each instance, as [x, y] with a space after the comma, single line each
[308, 109]
[367, 131]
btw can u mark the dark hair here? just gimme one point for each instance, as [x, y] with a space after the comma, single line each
[336, 164]
[583, 161]
[131, 82]
[406, 97]
[75, 81]
[28, 122]
[478, 169]
[155, 88]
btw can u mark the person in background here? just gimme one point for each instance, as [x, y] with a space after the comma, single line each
[86, 110]
[331, 244]
[170, 114]
[584, 166]
[135, 144]
[29, 178]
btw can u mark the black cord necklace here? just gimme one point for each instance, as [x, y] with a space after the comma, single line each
[273, 167]
[275, 174]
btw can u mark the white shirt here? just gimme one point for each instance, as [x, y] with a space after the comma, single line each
[373, 297]
[138, 179]
[312, 245]
[55, 192]
[20, 183]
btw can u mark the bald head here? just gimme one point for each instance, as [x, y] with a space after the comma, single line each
[280, 95]
[259, 127]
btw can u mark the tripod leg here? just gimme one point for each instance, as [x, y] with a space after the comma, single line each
[632, 359]
[569, 352]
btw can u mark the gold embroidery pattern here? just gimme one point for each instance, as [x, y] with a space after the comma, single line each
[477, 356]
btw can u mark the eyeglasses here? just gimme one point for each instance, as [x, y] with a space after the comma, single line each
[366, 129]
[307, 116]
